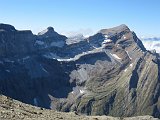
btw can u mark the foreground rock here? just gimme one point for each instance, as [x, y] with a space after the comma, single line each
[14, 110]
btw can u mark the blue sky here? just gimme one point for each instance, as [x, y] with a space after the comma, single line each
[89, 16]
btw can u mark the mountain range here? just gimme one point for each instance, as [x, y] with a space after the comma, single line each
[109, 73]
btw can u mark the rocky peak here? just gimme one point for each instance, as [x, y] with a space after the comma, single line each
[120, 36]
[6, 27]
[50, 38]
[115, 30]
[49, 32]
[50, 28]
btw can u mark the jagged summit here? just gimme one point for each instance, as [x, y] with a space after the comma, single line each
[6, 27]
[48, 32]
[50, 38]
[115, 30]
[50, 28]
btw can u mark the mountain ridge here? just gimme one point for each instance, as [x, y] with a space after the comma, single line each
[109, 73]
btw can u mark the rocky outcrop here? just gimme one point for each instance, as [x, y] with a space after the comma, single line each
[7, 28]
[50, 38]
[15, 110]
[109, 73]
[13, 42]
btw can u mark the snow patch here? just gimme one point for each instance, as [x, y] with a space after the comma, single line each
[124, 37]
[104, 43]
[106, 36]
[114, 55]
[118, 45]
[82, 54]
[131, 65]
[81, 91]
[106, 40]
[95, 47]
[125, 70]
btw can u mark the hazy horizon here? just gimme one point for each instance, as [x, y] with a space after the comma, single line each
[83, 16]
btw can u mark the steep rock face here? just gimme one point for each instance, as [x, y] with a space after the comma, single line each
[112, 77]
[5, 27]
[50, 38]
[109, 73]
[13, 42]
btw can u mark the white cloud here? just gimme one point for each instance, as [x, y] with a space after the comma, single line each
[85, 32]
[152, 43]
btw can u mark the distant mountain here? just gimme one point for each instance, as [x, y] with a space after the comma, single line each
[152, 43]
[109, 73]
[152, 38]
[75, 39]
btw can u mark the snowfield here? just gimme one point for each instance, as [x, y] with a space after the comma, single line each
[115, 56]
[96, 50]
